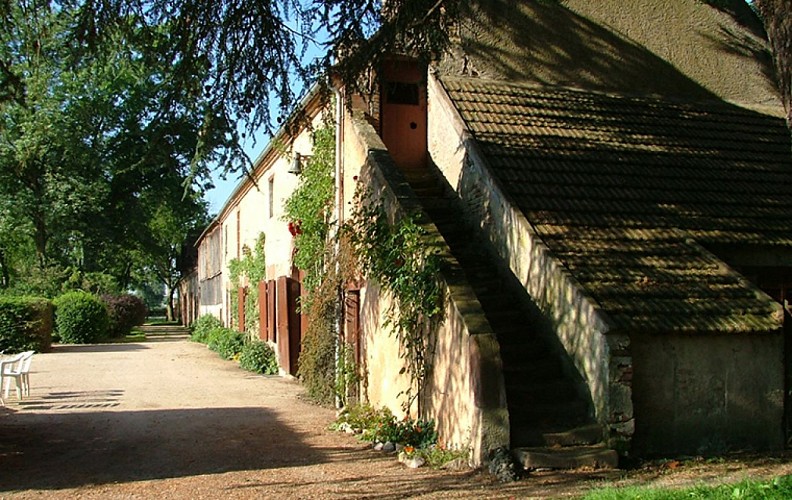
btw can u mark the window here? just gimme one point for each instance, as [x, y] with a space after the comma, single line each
[402, 93]
[271, 197]
[238, 233]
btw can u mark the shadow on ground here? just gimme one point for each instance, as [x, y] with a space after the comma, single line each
[83, 348]
[64, 450]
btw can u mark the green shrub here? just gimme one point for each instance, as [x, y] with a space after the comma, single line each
[382, 426]
[25, 324]
[438, 456]
[81, 318]
[203, 326]
[226, 342]
[317, 361]
[125, 312]
[258, 357]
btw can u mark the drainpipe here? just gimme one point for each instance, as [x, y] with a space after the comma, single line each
[339, 203]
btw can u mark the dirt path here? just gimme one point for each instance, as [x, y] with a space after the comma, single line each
[169, 418]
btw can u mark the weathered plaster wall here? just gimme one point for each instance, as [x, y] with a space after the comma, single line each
[464, 392]
[567, 312]
[257, 207]
[707, 393]
[382, 383]
[215, 310]
[684, 49]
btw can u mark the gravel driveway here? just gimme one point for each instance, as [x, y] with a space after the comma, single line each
[170, 419]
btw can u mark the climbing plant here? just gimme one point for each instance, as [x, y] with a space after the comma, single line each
[324, 368]
[253, 267]
[309, 208]
[398, 258]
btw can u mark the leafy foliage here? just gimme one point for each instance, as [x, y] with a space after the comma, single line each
[777, 17]
[317, 361]
[248, 271]
[382, 426]
[777, 488]
[310, 207]
[437, 456]
[93, 148]
[203, 326]
[245, 54]
[395, 255]
[258, 357]
[226, 342]
[125, 311]
[81, 318]
[25, 324]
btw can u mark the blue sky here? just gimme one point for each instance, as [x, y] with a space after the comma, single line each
[223, 188]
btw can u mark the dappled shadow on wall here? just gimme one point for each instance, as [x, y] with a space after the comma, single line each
[52, 450]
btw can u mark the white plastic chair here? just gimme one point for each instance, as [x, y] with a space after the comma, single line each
[8, 366]
[18, 368]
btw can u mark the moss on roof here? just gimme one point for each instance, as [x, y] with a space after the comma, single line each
[627, 192]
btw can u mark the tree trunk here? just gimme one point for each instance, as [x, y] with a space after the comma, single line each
[5, 275]
[169, 291]
[777, 17]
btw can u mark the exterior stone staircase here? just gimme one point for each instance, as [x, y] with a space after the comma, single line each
[168, 331]
[549, 418]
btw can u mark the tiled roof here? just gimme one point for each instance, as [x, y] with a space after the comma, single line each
[627, 192]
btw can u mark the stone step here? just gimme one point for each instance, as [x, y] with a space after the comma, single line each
[577, 436]
[497, 301]
[164, 329]
[572, 457]
[501, 320]
[427, 189]
[538, 369]
[558, 435]
[489, 285]
[541, 391]
[432, 204]
[571, 412]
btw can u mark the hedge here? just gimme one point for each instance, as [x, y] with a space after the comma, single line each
[125, 311]
[81, 318]
[25, 324]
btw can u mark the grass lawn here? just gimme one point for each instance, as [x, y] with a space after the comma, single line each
[159, 320]
[779, 487]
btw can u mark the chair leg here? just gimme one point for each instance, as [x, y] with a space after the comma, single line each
[18, 387]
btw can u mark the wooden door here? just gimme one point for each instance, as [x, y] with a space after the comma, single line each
[403, 121]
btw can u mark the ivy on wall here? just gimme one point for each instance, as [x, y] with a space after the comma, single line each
[310, 207]
[325, 371]
[253, 266]
[397, 257]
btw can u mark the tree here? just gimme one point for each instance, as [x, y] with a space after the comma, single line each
[91, 145]
[170, 228]
[239, 55]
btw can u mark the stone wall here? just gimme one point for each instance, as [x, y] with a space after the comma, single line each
[707, 394]
[602, 361]
[464, 393]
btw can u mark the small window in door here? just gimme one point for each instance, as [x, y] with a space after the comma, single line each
[402, 93]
